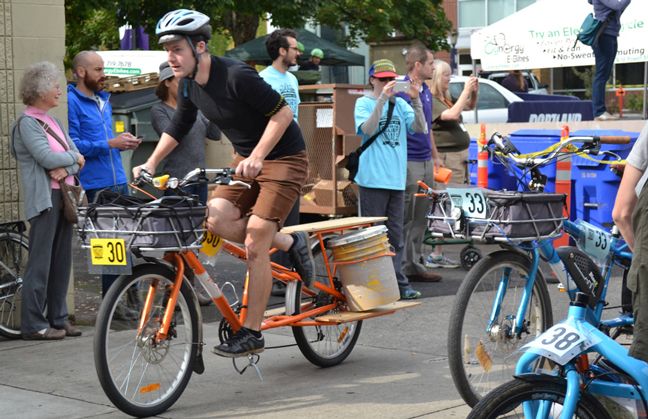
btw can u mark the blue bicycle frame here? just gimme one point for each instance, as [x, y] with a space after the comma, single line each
[618, 251]
[593, 341]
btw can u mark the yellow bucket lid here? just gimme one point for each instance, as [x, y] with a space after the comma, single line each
[357, 236]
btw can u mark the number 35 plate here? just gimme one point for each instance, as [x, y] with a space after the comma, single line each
[472, 201]
[562, 342]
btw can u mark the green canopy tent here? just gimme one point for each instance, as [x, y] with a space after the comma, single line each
[334, 55]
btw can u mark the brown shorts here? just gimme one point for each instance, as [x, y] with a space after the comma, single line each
[274, 190]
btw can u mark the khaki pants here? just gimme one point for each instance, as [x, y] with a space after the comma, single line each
[457, 161]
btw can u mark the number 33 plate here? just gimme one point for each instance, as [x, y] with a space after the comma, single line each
[472, 201]
[561, 343]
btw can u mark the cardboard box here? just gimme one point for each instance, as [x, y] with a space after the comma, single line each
[346, 193]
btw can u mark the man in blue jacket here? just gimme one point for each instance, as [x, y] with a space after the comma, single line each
[90, 123]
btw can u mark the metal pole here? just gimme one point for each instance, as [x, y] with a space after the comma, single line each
[474, 65]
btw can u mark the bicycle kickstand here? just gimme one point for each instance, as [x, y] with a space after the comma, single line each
[253, 360]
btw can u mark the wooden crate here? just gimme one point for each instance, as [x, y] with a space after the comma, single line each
[130, 83]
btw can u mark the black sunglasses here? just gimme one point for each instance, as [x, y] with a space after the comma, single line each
[386, 79]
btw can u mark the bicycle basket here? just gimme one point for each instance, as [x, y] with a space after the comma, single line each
[510, 216]
[168, 223]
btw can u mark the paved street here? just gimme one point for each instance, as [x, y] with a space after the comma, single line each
[397, 370]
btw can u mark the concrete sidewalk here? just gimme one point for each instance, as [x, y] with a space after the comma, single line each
[397, 370]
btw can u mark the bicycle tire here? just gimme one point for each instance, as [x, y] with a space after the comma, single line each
[121, 356]
[508, 398]
[468, 358]
[14, 254]
[327, 345]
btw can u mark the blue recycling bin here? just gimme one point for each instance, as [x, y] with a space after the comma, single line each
[594, 185]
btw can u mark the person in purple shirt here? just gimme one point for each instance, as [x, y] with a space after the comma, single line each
[422, 157]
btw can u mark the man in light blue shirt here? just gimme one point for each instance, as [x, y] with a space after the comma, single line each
[282, 48]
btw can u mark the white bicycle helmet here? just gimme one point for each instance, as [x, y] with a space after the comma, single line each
[180, 23]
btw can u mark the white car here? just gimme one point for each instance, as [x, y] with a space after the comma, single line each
[492, 103]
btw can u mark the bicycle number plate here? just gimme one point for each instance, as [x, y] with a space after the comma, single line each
[109, 256]
[211, 244]
[597, 241]
[108, 252]
[561, 343]
[472, 201]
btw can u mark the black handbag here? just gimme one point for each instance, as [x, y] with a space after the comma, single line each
[353, 159]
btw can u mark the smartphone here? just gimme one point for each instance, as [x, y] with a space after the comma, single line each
[401, 86]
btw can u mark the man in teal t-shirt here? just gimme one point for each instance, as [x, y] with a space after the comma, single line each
[383, 165]
[283, 50]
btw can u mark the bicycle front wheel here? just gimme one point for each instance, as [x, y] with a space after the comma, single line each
[481, 357]
[141, 374]
[14, 254]
[542, 395]
[323, 345]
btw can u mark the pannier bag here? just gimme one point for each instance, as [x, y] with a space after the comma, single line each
[170, 222]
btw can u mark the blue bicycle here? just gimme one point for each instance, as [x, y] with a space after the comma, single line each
[504, 303]
[592, 376]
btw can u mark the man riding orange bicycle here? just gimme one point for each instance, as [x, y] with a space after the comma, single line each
[270, 156]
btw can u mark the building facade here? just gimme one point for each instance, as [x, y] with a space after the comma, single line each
[30, 31]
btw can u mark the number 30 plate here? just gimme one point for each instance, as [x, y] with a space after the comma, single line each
[561, 343]
[109, 256]
[472, 201]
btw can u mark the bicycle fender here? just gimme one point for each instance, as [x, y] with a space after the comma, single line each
[533, 377]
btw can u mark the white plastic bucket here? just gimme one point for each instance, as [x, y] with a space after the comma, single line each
[365, 268]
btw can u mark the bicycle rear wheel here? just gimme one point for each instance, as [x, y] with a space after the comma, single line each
[325, 345]
[141, 375]
[547, 394]
[14, 254]
[481, 359]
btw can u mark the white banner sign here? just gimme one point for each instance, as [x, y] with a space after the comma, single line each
[131, 63]
[542, 35]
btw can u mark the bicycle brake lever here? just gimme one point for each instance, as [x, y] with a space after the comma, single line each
[238, 182]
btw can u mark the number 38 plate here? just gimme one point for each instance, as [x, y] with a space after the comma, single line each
[472, 201]
[562, 342]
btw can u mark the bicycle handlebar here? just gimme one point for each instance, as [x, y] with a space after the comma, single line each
[614, 139]
[222, 176]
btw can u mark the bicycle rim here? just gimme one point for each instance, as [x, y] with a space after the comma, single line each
[140, 375]
[480, 360]
[14, 254]
[324, 345]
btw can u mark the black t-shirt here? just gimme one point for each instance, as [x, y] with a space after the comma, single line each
[240, 102]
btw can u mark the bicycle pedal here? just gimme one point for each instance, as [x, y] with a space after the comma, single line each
[253, 360]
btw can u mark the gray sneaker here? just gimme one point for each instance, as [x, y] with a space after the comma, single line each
[302, 257]
[440, 262]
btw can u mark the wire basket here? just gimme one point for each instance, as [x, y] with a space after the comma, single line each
[510, 216]
[171, 223]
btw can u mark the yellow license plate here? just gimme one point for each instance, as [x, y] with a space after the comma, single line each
[211, 244]
[108, 252]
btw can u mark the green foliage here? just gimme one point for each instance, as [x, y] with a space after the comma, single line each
[634, 101]
[587, 76]
[98, 31]
[91, 23]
